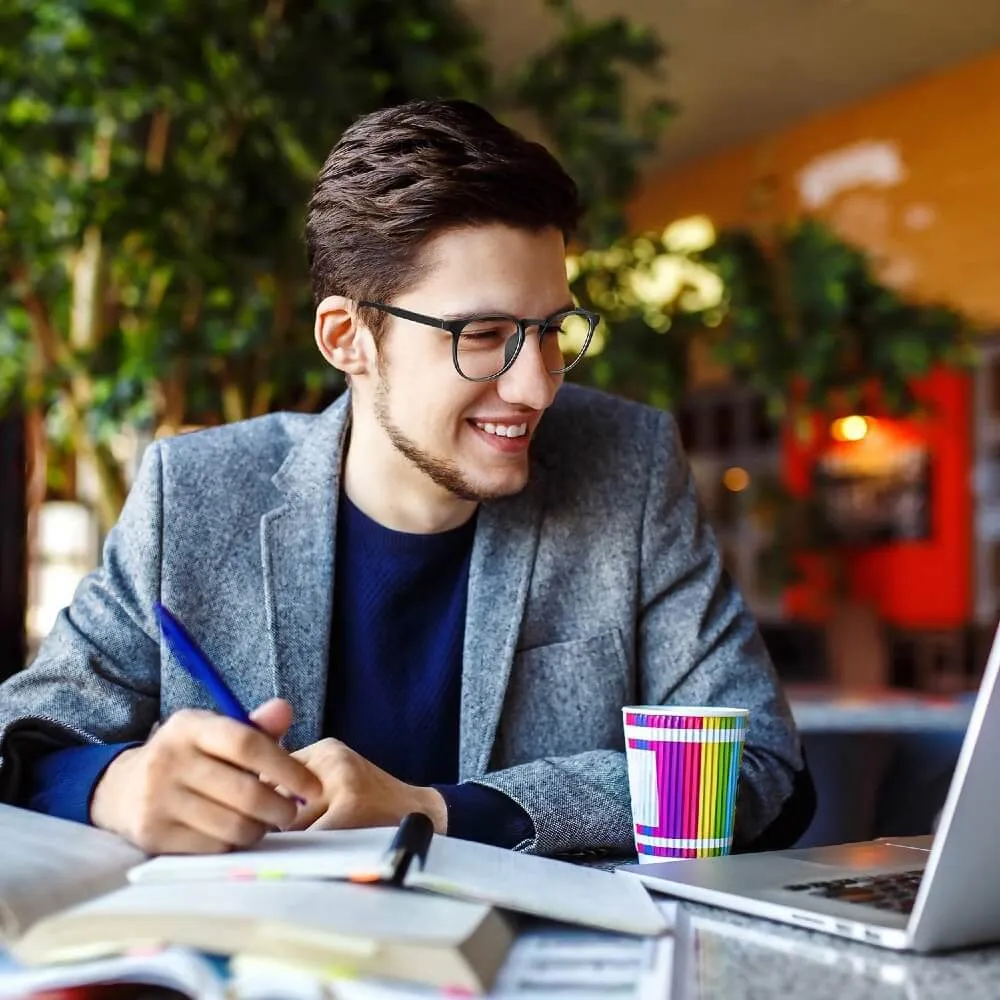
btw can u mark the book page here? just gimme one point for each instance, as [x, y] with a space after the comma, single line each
[538, 886]
[332, 854]
[47, 864]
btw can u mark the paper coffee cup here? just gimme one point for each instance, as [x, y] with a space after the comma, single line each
[683, 775]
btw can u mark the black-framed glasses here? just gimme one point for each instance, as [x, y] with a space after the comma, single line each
[483, 347]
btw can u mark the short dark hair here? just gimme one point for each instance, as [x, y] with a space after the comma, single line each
[400, 176]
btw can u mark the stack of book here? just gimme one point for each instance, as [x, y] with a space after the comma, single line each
[400, 905]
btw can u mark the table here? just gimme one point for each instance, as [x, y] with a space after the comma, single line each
[820, 709]
[881, 759]
[725, 956]
[728, 956]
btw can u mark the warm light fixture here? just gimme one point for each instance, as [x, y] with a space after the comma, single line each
[735, 479]
[852, 428]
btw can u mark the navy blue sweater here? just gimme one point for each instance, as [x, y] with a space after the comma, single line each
[393, 685]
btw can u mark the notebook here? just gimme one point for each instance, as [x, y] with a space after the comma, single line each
[65, 897]
[520, 883]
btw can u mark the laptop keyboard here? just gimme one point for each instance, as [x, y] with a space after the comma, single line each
[894, 892]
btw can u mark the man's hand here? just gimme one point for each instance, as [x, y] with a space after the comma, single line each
[356, 793]
[204, 783]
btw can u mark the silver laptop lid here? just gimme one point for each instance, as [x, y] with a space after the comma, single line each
[958, 902]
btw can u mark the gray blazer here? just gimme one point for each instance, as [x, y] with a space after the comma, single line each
[600, 585]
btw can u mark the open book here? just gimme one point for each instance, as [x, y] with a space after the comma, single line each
[520, 883]
[49, 864]
[64, 897]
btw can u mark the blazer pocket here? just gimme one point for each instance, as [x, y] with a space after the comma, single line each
[563, 699]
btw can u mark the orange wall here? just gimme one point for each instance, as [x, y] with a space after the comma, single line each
[937, 226]
[933, 233]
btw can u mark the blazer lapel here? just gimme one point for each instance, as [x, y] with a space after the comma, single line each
[297, 549]
[503, 555]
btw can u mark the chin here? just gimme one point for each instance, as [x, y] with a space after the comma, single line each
[485, 486]
[504, 486]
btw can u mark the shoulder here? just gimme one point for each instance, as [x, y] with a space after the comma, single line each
[241, 456]
[266, 437]
[235, 467]
[594, 430]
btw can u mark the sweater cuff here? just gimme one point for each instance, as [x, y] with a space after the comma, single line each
[485, 815]
[62, 783]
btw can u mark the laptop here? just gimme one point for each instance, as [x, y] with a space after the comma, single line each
[912, 894]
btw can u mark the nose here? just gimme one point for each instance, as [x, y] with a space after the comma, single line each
[528, 382]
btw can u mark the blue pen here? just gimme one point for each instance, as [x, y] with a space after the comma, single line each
[190, 656]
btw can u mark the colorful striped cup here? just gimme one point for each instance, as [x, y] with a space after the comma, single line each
[683, 772]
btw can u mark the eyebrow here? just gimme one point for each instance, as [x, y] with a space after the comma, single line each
[502, 312]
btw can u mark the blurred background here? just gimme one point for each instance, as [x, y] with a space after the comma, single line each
[790, 239]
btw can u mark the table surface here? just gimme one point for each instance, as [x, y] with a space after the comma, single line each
[726, 956]
[827, 709]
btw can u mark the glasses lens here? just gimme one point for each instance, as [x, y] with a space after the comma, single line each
[485, 346]
[565, 339]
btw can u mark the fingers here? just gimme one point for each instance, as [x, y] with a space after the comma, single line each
[349, 782]
[177, 839]
[203, 783]
[238, 791]
[306, 815]
[249, 749]
[273, 717]
[193, 824]
[217, 821]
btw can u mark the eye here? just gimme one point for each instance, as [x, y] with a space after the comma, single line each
[487, 332]
[481, 334]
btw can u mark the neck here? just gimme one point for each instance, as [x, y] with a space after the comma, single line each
[387, 487]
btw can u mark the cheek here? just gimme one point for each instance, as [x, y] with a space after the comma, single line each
[432, 404]
[411, 400]
[446, 410]
[454, 423]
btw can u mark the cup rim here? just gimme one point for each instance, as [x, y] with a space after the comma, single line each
[686, 711]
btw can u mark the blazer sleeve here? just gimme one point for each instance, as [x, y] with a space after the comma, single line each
[696, 643]
[96, 678]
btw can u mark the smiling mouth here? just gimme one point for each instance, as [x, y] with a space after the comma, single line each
[502, 430]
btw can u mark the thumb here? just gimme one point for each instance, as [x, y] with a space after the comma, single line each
[273, 717]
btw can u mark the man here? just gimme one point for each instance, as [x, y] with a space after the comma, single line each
[441, 591]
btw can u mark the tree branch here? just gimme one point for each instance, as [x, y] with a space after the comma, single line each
[156, 144]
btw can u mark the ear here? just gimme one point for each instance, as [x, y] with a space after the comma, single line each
[341, 338]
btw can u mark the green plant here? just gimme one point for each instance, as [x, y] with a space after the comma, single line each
[155, 161]
[800, 316]
[809, 325]
[797, 314]
[655, 299]
[576, 91]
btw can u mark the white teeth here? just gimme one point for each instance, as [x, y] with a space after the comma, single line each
[505, 430]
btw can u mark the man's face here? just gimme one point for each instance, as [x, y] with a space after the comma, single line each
[470, 438]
